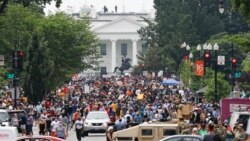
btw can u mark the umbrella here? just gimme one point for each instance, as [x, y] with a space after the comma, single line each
[170, 82]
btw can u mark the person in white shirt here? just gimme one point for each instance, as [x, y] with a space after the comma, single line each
[79, 128]
[128, 118]
[54, 126]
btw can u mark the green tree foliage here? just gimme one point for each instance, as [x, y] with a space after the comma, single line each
[243, 6]
[3, 80]
[72, 45]
[190, 21]
[55, 47]
[39, 69]
[246, 64]
[223, 88]
[185, 73]
[26, 3]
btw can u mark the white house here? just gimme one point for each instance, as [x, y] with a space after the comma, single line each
[118, 36]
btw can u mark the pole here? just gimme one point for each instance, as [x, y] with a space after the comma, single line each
[232, 70]
[215, 76]
[199, 54]
[15, 79]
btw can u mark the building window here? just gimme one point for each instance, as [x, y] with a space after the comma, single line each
[124, 48]
[103, 70]
[103, 49]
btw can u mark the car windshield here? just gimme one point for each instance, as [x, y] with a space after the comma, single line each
[3, 116]
[97, 116]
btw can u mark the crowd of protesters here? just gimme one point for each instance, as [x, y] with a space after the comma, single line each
[127, 100]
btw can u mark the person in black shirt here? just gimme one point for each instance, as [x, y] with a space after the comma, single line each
[211, 135]
[23, 123]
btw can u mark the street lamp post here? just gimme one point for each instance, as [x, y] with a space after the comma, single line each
[199, 49]
[216, 48]
[221, 6]
[190, 56]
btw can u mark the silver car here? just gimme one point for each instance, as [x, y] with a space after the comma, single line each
[183, 138]
[96, 121]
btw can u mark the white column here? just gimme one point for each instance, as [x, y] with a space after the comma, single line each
[134, 52]
[113, 54]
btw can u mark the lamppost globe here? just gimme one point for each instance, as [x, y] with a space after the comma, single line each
[191, 55]
[188, 47]
[205, 46]
[199, 47]
[216, 46]
[221, 10]
[183, 45]
[209, 47]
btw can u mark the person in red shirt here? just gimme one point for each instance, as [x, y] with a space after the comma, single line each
[47, 104]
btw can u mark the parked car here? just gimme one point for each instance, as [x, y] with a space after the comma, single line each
[38, 138]
[4, 117]
[183, 138]
[96, 121]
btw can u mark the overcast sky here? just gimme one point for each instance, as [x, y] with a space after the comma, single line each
[129, 5]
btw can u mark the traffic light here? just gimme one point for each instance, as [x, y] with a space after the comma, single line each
[207, 59]
[20, 56]
[17, 57]
[234, 63]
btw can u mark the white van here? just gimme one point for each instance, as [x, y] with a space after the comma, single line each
[4, 117]
[241, 117]
[8, 133]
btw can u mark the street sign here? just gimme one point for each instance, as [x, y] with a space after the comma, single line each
[221, 60]
[10, 75]
[1, 60]
[237, 74]
[199, 68]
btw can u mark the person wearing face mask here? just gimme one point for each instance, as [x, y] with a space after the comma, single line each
[61, 131]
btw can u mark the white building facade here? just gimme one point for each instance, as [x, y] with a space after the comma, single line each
[118, 36]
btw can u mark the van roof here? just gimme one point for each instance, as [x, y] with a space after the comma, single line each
[158, 125]
[245, 112]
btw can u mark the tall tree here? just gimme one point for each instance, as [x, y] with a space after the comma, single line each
[26, 3]
[243, 6]
[191, 21]
[39, 69]
[73, 46]
[56, 46]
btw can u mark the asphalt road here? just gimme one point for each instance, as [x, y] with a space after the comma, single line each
[90, 137]
[72, 135]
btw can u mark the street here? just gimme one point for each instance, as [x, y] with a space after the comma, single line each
[91, 137]
[72, 135]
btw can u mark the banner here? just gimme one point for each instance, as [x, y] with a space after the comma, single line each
[199, 68]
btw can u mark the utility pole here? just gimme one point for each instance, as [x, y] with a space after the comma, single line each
[15, 80]
[215, 76]
[232, 69]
